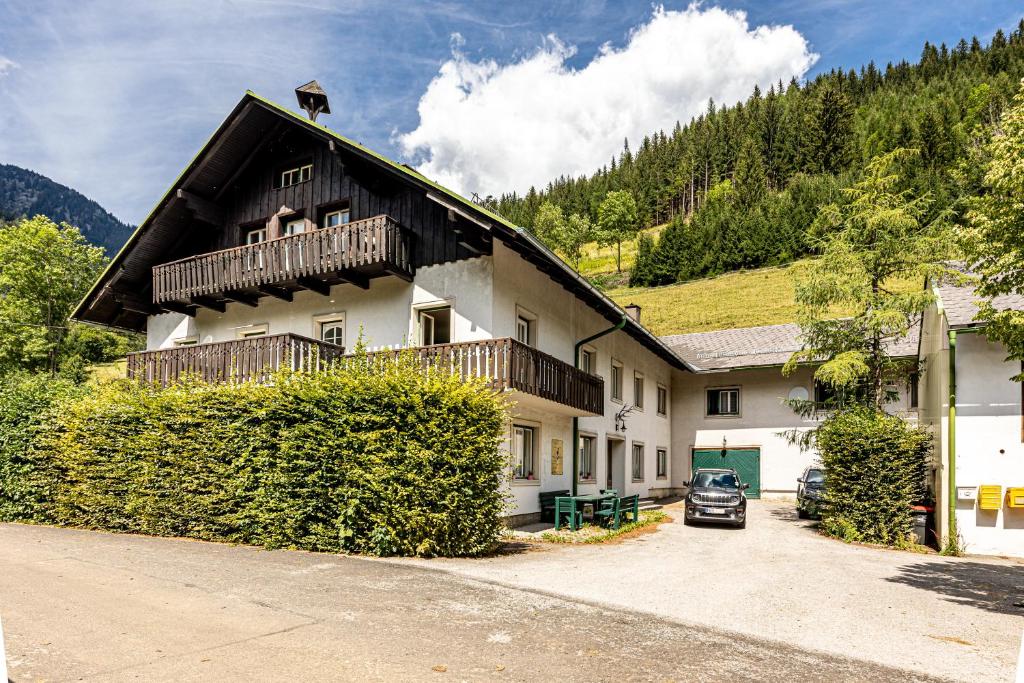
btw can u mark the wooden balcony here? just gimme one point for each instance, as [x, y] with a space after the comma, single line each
[506, 364]
[240, 360]
[353, 252]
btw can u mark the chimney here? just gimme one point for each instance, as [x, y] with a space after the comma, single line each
[633, 311]
[313, 99]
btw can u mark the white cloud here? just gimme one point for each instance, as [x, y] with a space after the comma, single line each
[489, 128]
[6, 65]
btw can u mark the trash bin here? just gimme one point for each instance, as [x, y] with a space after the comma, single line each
[922, 522]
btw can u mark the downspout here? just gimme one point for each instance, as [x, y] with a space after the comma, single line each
[951, 427]
[576, 420]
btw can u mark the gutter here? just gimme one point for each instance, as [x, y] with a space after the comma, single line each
[951, 427]
[576, 420]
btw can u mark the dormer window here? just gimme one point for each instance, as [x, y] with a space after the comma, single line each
[294, 176]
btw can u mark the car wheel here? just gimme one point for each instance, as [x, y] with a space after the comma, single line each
[687, 521]
[801, 513]
[743, 524]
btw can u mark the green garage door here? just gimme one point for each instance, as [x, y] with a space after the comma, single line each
[746, 462]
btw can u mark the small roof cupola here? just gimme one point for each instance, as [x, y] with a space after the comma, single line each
[313, 99]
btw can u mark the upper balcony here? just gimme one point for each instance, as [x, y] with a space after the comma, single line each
[315, 260]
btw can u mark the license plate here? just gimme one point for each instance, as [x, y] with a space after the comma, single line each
[713, 511]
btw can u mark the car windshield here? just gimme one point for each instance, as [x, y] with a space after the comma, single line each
[711, 480]
[815, 477]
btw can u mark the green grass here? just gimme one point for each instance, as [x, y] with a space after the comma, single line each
[592, 533]
[599, 262]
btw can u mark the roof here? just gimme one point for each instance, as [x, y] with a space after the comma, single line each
[752, 347]
[253, 116]
[960, 304]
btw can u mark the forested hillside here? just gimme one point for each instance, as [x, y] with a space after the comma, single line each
[741, 185]
[24, 193]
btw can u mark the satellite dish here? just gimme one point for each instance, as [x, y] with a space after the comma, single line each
[798, 394]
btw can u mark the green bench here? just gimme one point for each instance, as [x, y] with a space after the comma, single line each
[566, 506]
[547, 503]
[608, 512]
[631, 505]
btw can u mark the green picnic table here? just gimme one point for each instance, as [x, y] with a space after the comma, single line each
[594, 498]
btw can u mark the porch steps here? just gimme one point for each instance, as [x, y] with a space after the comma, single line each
[649, 504]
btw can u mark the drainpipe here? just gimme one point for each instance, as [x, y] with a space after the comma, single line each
[951, 427]
[576, 420]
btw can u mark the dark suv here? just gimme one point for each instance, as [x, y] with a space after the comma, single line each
[716, 496]
[810, 489]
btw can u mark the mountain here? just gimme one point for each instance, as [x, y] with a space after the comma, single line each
[27, 193]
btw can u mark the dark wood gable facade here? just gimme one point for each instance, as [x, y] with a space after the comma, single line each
[199, 246]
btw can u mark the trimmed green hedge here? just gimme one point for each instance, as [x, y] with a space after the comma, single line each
[875, 468]
[393, 462]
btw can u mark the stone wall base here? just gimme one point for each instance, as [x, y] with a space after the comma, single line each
[513, 521]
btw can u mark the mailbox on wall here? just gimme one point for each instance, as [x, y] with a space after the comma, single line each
[1015, 497]
[990, 497]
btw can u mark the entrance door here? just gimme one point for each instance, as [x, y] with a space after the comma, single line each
[616, 465]
[746, 462]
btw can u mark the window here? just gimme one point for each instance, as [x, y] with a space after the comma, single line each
[723, 401]
[588, 471]
[335, 218]
[662, 400]
[435, 325]
[186, 341]
[523, 442]
[914, 379]
[294, 176]
[662, 463]
[256, 236]
[331, 328]
[250, 331]
[616, 380]
[293, 226]
[638, 391]
[638, 462]
[588, 361]
[526, 327]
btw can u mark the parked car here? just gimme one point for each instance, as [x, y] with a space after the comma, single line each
[716, 496]
[810, 488]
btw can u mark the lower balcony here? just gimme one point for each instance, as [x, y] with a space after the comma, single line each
[506, 364]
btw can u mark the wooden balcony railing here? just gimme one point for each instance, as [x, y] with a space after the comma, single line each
[510, 364]
[375, 243]
[506, 364]
[240, 360]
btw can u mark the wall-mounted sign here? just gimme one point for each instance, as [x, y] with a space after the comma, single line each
[556, 456]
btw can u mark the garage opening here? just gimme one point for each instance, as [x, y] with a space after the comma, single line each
[746, 462]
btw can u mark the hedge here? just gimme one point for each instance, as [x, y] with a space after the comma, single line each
[395, 462]
[875, 468]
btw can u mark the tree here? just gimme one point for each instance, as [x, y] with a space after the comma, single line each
[995, 241]
[830, 131]
[548, 224]
[617, 221]
[876, 241]
[45, 270]
[577, 231]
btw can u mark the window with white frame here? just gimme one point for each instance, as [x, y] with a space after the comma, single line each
[638, 390]
[523, 452]
[250, 331]
[336, 217]
[293, 226]
[526, 327]
[331, 328]
[638, 461]
[588, 361]
[723, 402]
[662, 463]
[294, 176]
[434, 325]
[256, 236]
[616, 380]
[588, 458]
[662, 400]
[186, 341]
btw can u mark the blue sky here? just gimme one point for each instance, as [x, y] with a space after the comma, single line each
[114, 97]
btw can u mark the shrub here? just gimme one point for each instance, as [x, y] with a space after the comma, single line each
[26, 480]
[876, 467]
[379, 462]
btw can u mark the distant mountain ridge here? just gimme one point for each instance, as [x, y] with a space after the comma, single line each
[27, 193]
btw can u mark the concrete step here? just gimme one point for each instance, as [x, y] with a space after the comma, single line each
[649, 504]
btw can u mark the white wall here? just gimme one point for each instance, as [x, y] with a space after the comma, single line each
[763, 419]
[989, 447]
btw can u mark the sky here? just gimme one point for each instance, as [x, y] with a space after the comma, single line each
[114, 97]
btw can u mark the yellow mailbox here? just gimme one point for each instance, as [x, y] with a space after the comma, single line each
[990, 497]
[1015, 497]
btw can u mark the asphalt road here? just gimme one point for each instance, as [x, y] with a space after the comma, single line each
[80, 605]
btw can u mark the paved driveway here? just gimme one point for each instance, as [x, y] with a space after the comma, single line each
[80, 605]
[778, 579]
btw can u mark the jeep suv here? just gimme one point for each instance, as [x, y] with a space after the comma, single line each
[716, 496]
[810, 489]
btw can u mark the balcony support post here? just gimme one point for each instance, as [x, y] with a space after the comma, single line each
[318, 286]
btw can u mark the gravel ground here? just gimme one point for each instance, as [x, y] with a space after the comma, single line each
[88, 606]
[780, 580]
